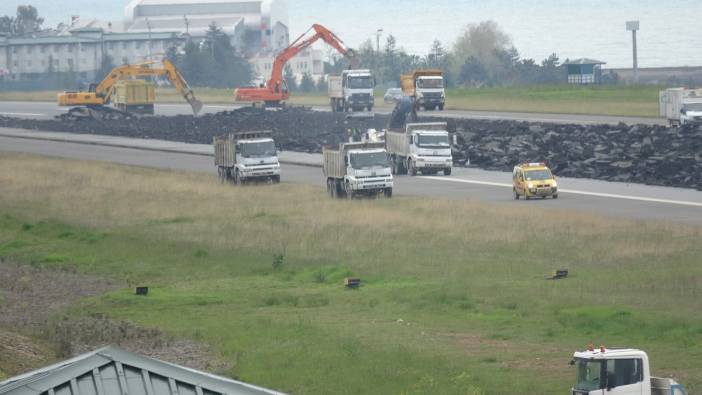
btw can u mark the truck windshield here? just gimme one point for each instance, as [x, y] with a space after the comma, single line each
[263, 148]
[365, 82]
[430, 83]
[692, 106]
[589, 375]
[432, 141]
[368, 160]
[532, 175]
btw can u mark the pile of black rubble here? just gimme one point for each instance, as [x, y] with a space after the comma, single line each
[629, 153]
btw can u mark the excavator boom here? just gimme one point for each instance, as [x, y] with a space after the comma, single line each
[276, 89]
[102, 93]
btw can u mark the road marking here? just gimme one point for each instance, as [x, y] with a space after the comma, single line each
[573, 191]
[24, 113]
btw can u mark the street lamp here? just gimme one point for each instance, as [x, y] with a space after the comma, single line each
[377, 39]
[633, 26]
[148, 25]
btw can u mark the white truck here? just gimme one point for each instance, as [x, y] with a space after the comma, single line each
[357, 169]
[246, 156]
[426, 87]
[420, 147]
[624, 371]
[351, 91]
[681, 106]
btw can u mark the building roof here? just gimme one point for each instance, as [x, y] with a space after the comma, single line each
[195, 23]
[76, 38]
[584, 61]
[112, 371]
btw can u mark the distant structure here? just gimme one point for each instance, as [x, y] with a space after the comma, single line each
[254, 25]
[79, 50]
[584, 71]
[111, 370]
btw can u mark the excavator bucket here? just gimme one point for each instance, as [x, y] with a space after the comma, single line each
[196, 105]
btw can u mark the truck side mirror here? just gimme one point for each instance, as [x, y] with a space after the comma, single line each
[455, 139]
[346, 160]
[411, 139]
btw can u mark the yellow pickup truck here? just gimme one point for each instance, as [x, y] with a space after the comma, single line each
[534, 180]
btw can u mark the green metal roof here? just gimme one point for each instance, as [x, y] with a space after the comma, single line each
[112, 371]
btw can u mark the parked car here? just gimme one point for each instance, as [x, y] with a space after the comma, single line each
[392, 95]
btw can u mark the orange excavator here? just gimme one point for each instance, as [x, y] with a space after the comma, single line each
[276, 91]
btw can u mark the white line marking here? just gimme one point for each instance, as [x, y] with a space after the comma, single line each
[24, 113]
[574, 191]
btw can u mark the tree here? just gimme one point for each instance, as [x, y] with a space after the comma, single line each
[28, 20]
[289, 76]
[106, 66]
[483, 42]
[472, 73]
[7, 25]
[307, 83]
[322, 85]
[212, 62]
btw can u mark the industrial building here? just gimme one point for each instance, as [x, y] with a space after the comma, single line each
[254, 25]
[78, 51]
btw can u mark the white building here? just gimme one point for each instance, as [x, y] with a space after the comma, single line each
[254, 25]
[309, 61]
[81, 51]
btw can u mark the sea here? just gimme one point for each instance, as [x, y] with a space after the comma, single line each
[670, 30]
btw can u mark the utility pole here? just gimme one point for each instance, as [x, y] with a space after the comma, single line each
[187, 25]
[148, 24]
[633, 26]
[377, 39]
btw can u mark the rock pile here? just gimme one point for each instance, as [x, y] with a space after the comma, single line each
[294, 129]
[639, 153]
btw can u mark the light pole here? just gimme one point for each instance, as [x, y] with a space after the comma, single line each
[148, 25]
[633, 26]
[377, 39]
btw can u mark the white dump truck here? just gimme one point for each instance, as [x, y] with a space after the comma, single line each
[351, 91]
[246, 156]
[623, 371]
[681, 106]
[357, 169]
[426, 87]
[420, 147]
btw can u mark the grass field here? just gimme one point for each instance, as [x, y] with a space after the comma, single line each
[453, 301]
[567, 99]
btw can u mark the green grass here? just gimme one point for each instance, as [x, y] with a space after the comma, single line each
[568, 99]
[453, 298]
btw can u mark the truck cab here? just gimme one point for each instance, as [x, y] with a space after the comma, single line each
[618, 372]
[257, 158]
[357, 169]
[430, 92]
[691, 112]
[352, 91]
[421, 148]
[430, 151]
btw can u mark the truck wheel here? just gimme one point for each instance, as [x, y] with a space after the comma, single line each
[447, 171]
[527, 197]
[411, 170]
[441, 107]
[237, 178]
[370, 108]
[388, 192]
[276, 179]
[555, 196]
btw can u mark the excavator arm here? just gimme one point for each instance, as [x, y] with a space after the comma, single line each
[276, 88]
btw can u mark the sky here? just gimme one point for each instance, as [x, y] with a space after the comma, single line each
[670, 32]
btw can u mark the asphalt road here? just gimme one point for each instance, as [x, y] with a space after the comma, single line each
[632, 201]
[46, 110]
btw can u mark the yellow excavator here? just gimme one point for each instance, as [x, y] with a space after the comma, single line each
[127, 94]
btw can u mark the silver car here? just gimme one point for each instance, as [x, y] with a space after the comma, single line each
[392, 95]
